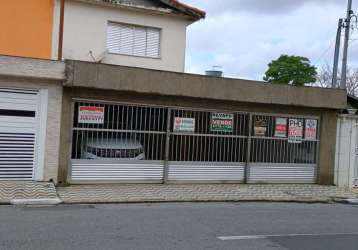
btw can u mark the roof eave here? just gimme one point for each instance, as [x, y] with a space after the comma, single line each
[154, 10]
[194, 13]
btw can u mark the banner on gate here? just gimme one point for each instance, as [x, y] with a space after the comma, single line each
[260, 126]
[311, 130]
[281, 127]
[91, 115]
[184, 125]
[295, 130]
[221, 122]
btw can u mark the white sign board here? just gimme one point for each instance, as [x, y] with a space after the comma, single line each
[281, 127]
[184, 125]
[311, 130]
[295, 130]
[91, 115]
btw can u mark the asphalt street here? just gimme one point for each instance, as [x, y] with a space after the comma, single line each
[196, 226]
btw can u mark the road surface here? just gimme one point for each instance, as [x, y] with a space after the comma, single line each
[179, 226]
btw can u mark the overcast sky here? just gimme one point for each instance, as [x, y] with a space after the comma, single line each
[243, 36]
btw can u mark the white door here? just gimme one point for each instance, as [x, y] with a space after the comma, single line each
[18, 132]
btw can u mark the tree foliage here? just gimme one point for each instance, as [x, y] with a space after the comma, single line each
[295, 70]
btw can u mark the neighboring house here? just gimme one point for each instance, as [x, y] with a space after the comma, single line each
[139, 33]
[27, 28]
[346, 165]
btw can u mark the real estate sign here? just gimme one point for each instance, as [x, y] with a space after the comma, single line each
[91, 115]
[184, 125]
[221, 122]
[295, 130]
[311, 130]
[260, 126]
[281, 127]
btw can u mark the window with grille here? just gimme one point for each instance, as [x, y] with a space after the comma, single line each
[133, 40]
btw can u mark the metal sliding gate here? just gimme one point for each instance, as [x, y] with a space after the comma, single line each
[18, 133]
[283, 149]
[148, 144]
[114, 142]
[206, 146]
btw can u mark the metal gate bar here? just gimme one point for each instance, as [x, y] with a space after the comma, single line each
[207, 154]
[137, 143]
[276, 156]
[125, 144]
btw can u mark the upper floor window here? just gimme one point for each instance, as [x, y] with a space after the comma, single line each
[133, 40]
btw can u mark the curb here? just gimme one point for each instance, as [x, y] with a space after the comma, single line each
[352, 201]
[53, 201]
[158, 201]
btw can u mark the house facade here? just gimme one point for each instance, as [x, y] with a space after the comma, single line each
[138, 33]
[117, 108]
[145, 34]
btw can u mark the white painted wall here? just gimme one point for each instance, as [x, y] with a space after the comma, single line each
[346, 162]
[86, 26]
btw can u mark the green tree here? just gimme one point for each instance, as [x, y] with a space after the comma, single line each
[295, 70]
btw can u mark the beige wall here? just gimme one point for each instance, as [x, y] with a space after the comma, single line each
[102, 76]
[52, 142]
[85, 30]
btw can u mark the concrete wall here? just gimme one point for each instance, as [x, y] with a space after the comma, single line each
[86, 26]
[17, 72]
[328, 119]
[345, 161]
[52, 142]
[326, 156]
[102, 76]
[32, 68]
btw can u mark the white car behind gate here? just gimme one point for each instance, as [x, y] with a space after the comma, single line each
[113, 148]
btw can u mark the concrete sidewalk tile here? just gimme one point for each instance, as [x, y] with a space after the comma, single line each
[27, 190]
[200, 192]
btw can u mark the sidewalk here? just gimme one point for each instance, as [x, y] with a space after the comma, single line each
[25, 192]
[201, 193]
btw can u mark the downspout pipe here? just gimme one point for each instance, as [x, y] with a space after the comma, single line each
[60, 36]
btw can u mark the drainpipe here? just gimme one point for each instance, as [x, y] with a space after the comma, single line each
[60, 36]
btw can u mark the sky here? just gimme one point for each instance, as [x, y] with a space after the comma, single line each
[243, 36]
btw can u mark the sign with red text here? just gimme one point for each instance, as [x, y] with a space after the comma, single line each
[91, 115]
[281, 127]
[184, 125]
[221, 122]
[311, 130]
[295, 130]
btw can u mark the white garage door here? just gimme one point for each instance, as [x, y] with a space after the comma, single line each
[18, 129]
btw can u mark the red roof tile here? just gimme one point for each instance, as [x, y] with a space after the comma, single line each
[187, 9]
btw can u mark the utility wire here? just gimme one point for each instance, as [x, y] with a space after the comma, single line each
[324, 52]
